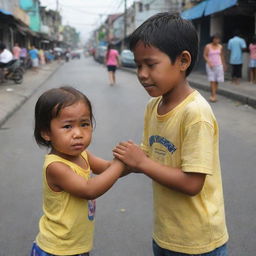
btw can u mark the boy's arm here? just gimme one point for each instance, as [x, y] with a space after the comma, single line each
[174, 178]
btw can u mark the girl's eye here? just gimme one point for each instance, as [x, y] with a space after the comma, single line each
[85, 124]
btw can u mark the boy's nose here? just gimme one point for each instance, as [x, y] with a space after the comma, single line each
[143, 75]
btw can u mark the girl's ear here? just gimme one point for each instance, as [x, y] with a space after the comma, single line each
[185, 60]
[46, 135]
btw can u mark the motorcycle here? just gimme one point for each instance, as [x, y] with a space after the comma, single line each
[13, 71]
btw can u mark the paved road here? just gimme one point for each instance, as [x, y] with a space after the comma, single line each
[123, 226]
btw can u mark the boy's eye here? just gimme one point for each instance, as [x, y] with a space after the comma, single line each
[67, 126]
[151, 65]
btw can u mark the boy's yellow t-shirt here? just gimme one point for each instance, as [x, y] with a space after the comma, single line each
[187, 137]
[67, 225]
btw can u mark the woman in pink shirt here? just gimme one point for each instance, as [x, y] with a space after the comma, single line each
[252, 64]
[112, 62]
[215, 65]
[16, 50]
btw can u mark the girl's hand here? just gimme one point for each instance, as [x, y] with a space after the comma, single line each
[225, 68]
[129, 153]
[210, 64]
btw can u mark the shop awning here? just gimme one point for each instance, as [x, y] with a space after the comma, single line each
[194, 12]
[207, 7]
[214, 6]
[5, 12]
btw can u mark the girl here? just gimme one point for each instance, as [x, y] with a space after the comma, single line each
[112, 61]
[64, 123]
[252, 64]
[215, 65]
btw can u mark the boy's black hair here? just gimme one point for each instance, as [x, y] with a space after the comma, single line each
[254, 39]
[170, 34]
[2, 46]
[49, 105]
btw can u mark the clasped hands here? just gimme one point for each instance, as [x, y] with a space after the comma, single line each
[130, 154]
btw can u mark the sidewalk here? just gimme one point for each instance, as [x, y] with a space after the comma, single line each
[244, 93]
[12, 95]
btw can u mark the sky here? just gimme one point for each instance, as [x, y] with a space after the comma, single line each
[85, 15]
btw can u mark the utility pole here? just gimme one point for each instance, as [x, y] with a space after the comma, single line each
[125, 22]
[56, 19]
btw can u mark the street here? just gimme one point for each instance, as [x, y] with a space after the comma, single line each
[124, 214]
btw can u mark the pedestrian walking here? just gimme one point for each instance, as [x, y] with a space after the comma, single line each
[41, 57]
[179, 149]
[215, 65]
[112, 62]
[24, 58]
[16, 50]
[33, 53]
[64, 124]
[5, 58]
[236, 45]
[252, 64]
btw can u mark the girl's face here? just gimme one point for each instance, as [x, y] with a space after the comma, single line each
[71, 131]
[216, 40]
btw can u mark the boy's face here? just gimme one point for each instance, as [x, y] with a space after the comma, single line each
[155, 70]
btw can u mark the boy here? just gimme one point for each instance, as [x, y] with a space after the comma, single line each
[179, 150]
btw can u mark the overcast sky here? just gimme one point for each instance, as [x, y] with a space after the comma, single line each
[85, 15]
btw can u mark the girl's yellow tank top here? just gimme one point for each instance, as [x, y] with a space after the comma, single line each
[67, 225]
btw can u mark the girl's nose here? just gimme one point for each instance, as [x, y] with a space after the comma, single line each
[77, 133]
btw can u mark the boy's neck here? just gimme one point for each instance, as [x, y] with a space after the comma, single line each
[174, 98]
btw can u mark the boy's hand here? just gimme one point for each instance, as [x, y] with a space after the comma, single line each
[129, 153]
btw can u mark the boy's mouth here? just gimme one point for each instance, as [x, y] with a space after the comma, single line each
[147, 85]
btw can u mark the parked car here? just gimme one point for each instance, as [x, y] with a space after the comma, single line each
[100, 53]
[76, 54]
[127, 59]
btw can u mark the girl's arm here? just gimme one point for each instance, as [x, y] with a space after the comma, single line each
[60, 177]
[97, 164]
[174, 178]
[206, 52]
[223, 58]
[118, 60]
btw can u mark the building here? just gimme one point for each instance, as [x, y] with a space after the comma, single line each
[222, 17]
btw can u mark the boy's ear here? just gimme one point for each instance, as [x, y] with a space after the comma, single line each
[46, 135]
[185, 60]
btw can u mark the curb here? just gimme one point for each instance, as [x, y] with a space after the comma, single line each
[243, 98]
[23, 98]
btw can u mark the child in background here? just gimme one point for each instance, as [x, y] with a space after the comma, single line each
[64, 123]
[215, 65]
[252, 64]
[179, 149]
[112, 62]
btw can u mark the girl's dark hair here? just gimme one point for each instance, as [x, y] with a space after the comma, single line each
[216, 36]
[170, 34]
[49, 105]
